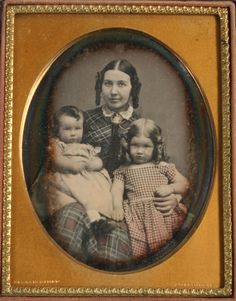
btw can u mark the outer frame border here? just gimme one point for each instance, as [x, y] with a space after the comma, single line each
[223, 10]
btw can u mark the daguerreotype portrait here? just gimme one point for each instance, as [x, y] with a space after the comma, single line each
[117, 158]
[117, 145]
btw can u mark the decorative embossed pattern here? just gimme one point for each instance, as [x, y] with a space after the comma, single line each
[222, 14]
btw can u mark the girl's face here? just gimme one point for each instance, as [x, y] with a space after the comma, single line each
[141, 149]
[70, 129]
[116, 88]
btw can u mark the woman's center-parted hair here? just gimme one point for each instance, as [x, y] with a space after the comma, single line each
[126, 67]
[151, 130]
[71, 111]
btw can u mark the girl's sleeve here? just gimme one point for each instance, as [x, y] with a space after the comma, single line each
[119, 174]
[169, 170]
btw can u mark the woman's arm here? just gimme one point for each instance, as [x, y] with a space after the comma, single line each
[167, 204]
[178, 186]
[94, 164]
[117, 191]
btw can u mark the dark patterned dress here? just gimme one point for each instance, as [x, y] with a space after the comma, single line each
[70, 225]
[100, 131]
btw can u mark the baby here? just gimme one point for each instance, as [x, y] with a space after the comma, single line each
[76, 171]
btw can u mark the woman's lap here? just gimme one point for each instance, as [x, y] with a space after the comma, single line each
[70, 228]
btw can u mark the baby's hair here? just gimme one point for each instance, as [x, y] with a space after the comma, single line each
[126, 67]
[149, 129]
[71, 111]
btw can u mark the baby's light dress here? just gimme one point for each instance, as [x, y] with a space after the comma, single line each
[90, 188]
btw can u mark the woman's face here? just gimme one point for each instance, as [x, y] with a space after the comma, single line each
[116, 88]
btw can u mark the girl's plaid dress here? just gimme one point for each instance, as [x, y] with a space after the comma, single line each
[149, 230]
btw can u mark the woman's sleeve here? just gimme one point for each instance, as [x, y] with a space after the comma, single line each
[119, 174]
[54, 149]
[169, 170]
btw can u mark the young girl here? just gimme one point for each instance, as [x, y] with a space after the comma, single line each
[75, 171]
[144, 178]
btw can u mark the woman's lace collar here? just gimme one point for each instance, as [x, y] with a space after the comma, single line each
[122, 115]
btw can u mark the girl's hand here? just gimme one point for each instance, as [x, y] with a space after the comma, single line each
[167, 204]
[164, 190]
[118, 214]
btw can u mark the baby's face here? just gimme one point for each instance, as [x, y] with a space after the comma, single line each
[70, 129]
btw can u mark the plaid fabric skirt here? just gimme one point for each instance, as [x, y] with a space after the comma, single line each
[70, 228]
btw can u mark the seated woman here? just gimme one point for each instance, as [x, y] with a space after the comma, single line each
[118, 87]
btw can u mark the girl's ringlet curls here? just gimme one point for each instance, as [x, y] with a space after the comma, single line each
[126, 67]
[151, 130]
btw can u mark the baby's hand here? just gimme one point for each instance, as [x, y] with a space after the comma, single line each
[164, 190]
[97, 149]
[91, 150]
[118, 214]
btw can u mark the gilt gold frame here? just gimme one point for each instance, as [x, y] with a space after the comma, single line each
[223, 13]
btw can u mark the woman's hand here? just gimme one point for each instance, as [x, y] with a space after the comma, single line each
[118, 214]
[167, 204]
[164, 190]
